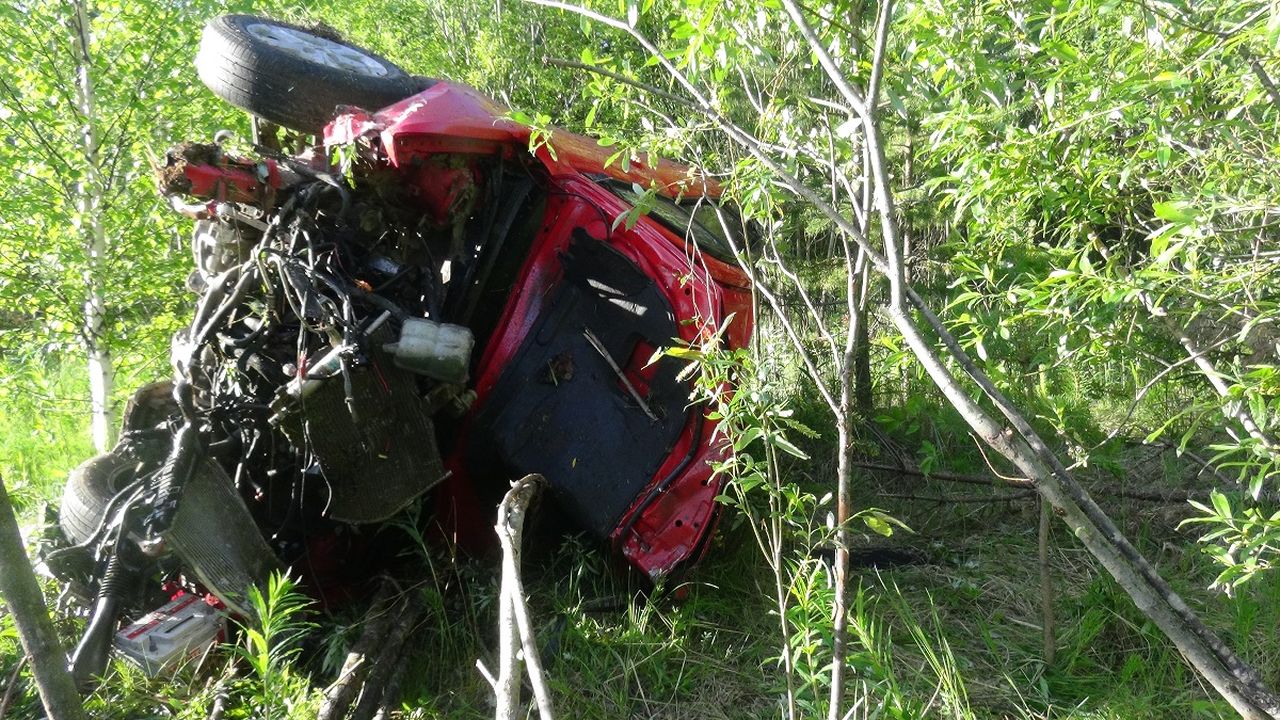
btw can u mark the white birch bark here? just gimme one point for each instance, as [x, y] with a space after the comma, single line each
[91, 225]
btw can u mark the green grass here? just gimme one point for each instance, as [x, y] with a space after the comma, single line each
[44, 428]
[954, 636]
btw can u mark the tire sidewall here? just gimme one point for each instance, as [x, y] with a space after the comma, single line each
[286, 89]
[89, 490]
[237, 27]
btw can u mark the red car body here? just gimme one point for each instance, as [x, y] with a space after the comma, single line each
[666, 524]
[655, 504]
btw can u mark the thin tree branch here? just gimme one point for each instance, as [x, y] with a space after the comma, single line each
[11, 687]
[510, 528]
[651, 89]
[1048, 638]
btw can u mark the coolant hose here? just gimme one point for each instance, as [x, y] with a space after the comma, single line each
[172, 478]
[89, 659]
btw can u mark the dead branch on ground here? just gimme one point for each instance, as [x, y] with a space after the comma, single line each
[377, 621]
[1166, 495]
[372, 671]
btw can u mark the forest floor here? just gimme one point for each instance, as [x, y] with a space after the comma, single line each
[947, 624]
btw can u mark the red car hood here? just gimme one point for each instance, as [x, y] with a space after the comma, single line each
[460, 119]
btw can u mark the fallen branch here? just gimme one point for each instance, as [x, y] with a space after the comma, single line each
[977, 499]
[26, 603]
[395, 688]
[372, 670]
[377, 621]
[513, 612]
[1171, 495]
[390, 661]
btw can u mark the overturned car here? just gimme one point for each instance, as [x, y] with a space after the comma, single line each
[419, 309]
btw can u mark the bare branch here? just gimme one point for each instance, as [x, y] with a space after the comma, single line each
[651, 89]
[510, 527]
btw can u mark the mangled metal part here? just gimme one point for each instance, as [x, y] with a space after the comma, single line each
[372, 437]
[219, 246]
[329, 365]
[205, 171]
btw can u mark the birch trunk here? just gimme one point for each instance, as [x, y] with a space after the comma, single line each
[91, 225]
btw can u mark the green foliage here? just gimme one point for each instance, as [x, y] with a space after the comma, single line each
[783, 515]
[269, 646]
[146, 96]
[1102, 170]
[1241, 539]
[43, 428]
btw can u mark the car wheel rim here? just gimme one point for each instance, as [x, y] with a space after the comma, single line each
[318, 50]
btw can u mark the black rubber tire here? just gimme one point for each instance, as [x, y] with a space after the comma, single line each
[286, 88]
[89, 490]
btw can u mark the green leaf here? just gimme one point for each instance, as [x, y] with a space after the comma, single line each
[882, 522]
[1220, 504]
[782, 443]
[749, 436]
[1169, 77]
[878, 525]
[1176, 211]
[684, 353]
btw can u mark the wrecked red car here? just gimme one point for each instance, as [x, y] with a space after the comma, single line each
[429, 303]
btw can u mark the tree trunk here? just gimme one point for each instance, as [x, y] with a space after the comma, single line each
[35, 629]
[92, 225]
[864, 397]
[844, 492]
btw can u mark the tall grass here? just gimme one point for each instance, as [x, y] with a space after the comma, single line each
[954, 637]
[44, 426]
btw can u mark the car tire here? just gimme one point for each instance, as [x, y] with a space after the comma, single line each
[89, 490]
[292, 76]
